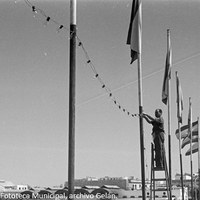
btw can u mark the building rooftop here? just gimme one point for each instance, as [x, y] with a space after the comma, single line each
[90, 187]
[110, 187]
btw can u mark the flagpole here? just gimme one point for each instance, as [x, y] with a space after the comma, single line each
[190, 134]
[72, 87]
[181, 162]
[134, 39]
[140, 98]
[169, 116]
[179, 130]
[198, 153]
[141, 125]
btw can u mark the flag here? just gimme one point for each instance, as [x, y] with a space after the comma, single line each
[179, 100]
[194, 149]
[187, 140]
[135, 30]
[190, 130]
[184, 130]
[167, 75]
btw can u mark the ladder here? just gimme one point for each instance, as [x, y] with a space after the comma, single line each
[163, 172]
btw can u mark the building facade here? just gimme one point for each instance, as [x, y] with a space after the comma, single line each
[121, 182]
[22, 187]
[6, 185]
[126, 183]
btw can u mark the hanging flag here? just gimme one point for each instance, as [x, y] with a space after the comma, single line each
[179, 100]
[184, 130]
[187, 140]
[194, 149]
[135, 30]
[167, 75]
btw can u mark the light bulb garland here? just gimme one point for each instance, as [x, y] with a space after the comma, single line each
[89, 62]
[103, 85]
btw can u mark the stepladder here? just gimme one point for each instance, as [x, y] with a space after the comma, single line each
[160, 183]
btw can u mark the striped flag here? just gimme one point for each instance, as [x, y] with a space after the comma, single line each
[135, 30]
[184, 130]
[187, 140]
[167, 75]
[194, 149]
[179, 100]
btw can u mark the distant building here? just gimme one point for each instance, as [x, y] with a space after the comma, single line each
[88, 181]
[6, 185]
[186, 176]
[91, 178]
[126, 183]
[9, 186]
[136, 184]
[22, 187]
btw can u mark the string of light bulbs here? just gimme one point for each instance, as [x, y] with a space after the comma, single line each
[61, 27]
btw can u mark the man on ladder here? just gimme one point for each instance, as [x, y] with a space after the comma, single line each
[158, 135]
[159, 156]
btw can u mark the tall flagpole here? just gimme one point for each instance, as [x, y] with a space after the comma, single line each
[181, 162]
[190, 135]
[198, 154]
[179, 130]
[140, 98]
[134, 40]
[169, 116]
[72, 87]
[141, 126]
